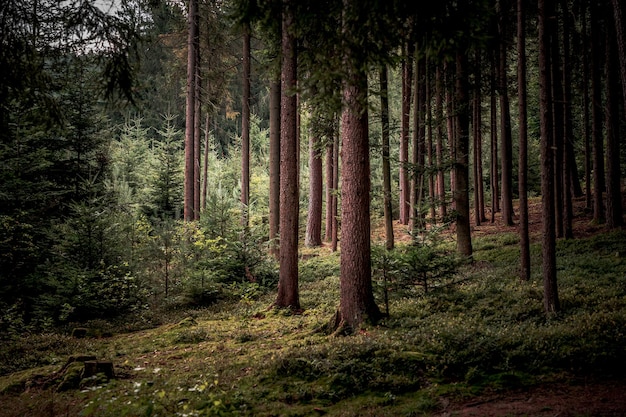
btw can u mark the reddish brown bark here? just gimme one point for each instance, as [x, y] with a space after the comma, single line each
[313, 236]
[189, 177]
[384, 118]
[441, 183]
[288, 294]
[404, 187]
[274, 192]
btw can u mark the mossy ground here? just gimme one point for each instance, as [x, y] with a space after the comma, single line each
[486, 332]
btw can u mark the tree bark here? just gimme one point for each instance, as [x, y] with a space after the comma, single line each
[441, 182]
[288, 294]
[329, 190]
[357, 303]
[568, 169]
[205, 165]
[461, 164]
[523, 142]
[335, 203]
[313, 236]
[274, 192]
[506, 140]
[197, 122]
[479, 208]
[404, 187]
[495, 194]
[596, 115]
[550, 290]
[614, 213]
[618, 13]
[384, 118]
[416, 221]
[189, 180]
[245, 128]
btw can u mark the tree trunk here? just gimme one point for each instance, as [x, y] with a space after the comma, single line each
[418, 149]
[586, 46]
[274, 192]
[614, 213]
[335, 202]
[313, 235]
[451, 124]
[205, 165]
[461, 164]
[618, 13]
[189, 181]
[506, 140]
[197, 122]
[404, 187]
[523, 142]
[430, 144]
[550, 290]
[245, 128]
[495, 192]
[357, 303]
[596, 115]
[479, 208]
[557, 122]
[441, 182]
[288, 295]
[329, 189]
[384, 118]
[568, 146]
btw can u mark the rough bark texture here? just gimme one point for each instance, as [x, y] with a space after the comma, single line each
[190, 113]
[404, 188]
[418, 153]
[614, 214]
[245, 128]
[495, 192]
[335, 202]
[523, 142]
[479, 209]
[441, 183]
[274, 203]
[313, 235]
[329, 192]
[197, 122]
[461, 164]
[288, 294]
[618, 13]
[568, 168]
[596, 115]
[550, 292]
[384, 118]
[205, 166]
[357, 303]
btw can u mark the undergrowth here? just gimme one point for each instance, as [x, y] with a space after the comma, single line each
[482, 328]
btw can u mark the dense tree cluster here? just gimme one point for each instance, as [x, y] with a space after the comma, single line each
[430, 115]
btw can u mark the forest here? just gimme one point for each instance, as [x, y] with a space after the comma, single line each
[290, 208]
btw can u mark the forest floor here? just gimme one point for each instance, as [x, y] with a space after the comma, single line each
[481, 346]
[564, 398]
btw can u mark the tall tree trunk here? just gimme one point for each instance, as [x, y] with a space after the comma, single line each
[356, 294]
[441, 182]
[523, 142]
[245, 128]
[329, 189]
[461, 164]
[384, 118]
[313, 236]
[568, 146]
[550, 289]
[429, 142]
[495, 192]
[335, 202]
[189, 181]
[586, 46]
[620, 31]
[404, 187]
[274, 192]
[596, 114]
[614, 213]
[557, 119]
[506, 140]
[451, 122]
[205, 165]
[288, 294]
[479, 208]
[197, 123]
[418, 148]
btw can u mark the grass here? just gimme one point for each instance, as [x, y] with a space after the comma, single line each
[486, 332]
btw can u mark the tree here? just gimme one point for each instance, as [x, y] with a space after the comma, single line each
[288, 294]
[357, 303]
[384, 117]
[596, 113]
[245, 127]
[274, 193]
[190, 157]
[405, 190]
[620, 31]
[523, 142]
[313, 235]
[550, 290]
